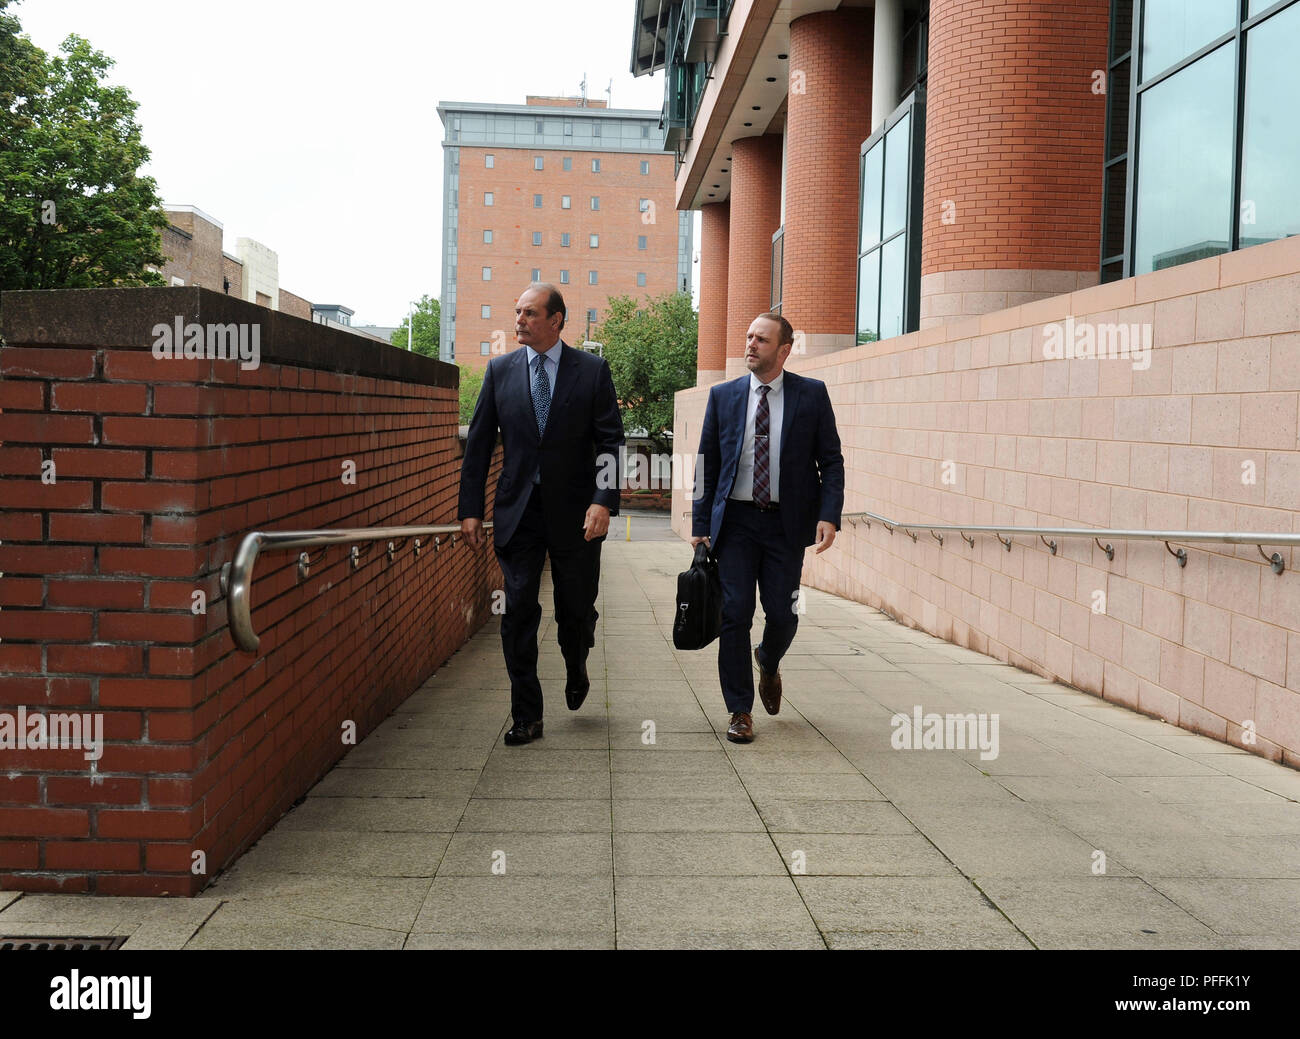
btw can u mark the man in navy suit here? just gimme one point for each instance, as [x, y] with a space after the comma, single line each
[773, 484]
[561, 435]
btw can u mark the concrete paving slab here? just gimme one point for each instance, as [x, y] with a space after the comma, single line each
[376, 814]
[680, 815]
[944, 905]
[519, 854]
[348, 854]
[696, 855]
[862, 855]
[536, 815]
[510, 904]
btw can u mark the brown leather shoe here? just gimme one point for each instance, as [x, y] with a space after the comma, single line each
[769, 688]
[741, 729]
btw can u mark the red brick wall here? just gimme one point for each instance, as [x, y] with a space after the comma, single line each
[755, 217]
[715, 231]
[294, 305]
[162, 467]
[1014, 135]
[619, 222]
[829, 118]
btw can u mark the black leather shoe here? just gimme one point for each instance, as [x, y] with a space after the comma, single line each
[523, 732]
[576, 688]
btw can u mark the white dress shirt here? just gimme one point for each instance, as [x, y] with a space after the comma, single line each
[743, 488]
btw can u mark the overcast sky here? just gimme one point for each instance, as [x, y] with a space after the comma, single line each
[310, 125]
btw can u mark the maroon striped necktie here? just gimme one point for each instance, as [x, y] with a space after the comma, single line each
[762, 457]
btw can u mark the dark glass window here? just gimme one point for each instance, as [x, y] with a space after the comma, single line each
[1184, 165]
[1175, 29]
[1270, 153]
[890, 225]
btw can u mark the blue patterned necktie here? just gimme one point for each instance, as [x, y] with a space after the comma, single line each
[541, 394]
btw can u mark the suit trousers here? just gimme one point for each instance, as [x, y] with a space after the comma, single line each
[575, 576]
[753, 550]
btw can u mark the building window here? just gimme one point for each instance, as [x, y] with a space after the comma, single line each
[593, 241]
[539, 162]
[640, 280]
[645, 130]
[537, 238]
[487, 237]
[485, 311]
[541, 127]
[564, 277]
[566, 201]
[568, 128]
[889, 227]
[537, 274]
[484, 349]
[591, 316]
[564, 239]
[641, 242]
[595, 202]
[489, 162]
[595, 129]
[487, 273]
[595, 165]
[568, 163]
[1210, 175]
[644, 205]
[593, 278]
[645, 167]
[537, 201]
[488, 198]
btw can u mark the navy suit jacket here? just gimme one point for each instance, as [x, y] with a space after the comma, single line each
[812, 466]
[578, 453]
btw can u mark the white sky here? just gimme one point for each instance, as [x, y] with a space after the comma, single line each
[310, 125]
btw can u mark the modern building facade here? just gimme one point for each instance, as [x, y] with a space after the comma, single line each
[1046, 257]
[564, 190]
[870, 170]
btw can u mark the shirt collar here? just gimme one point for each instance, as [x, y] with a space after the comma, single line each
[773, 387]
[553, 354]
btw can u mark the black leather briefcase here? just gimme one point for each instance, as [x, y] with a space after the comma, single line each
[699, 602]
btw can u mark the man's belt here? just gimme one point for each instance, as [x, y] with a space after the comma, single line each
[773, 507]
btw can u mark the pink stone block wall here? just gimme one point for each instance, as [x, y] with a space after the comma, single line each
[970, 422]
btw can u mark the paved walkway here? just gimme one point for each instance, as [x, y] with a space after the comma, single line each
[601, 839]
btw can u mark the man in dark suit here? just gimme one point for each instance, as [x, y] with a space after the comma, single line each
[561, 435]
[773, 484]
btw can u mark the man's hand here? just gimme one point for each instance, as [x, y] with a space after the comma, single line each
[697, 542]
[472, 531]
[825, 536]
[596, 525]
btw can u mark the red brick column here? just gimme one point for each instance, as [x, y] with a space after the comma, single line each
[755, 217]
[829, 118]
[1014, 139]
[129, 480]
[715, 233]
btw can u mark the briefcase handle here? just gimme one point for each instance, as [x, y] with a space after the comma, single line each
[702, 556]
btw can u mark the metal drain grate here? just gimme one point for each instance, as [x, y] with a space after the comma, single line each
[62, 944]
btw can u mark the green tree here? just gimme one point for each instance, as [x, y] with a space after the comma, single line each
[651, 350]
[74, 210]
[426, 332]
[471, 381]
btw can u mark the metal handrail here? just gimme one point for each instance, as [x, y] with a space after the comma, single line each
[1256, 538]
[237, 576]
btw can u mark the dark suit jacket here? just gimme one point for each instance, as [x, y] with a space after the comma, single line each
[812, 467]
[584, 430]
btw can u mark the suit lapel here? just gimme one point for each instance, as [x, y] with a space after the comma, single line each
[790, 387]
[524, 377]
[565, 377]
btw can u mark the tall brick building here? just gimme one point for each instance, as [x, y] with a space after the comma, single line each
[564, 190]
